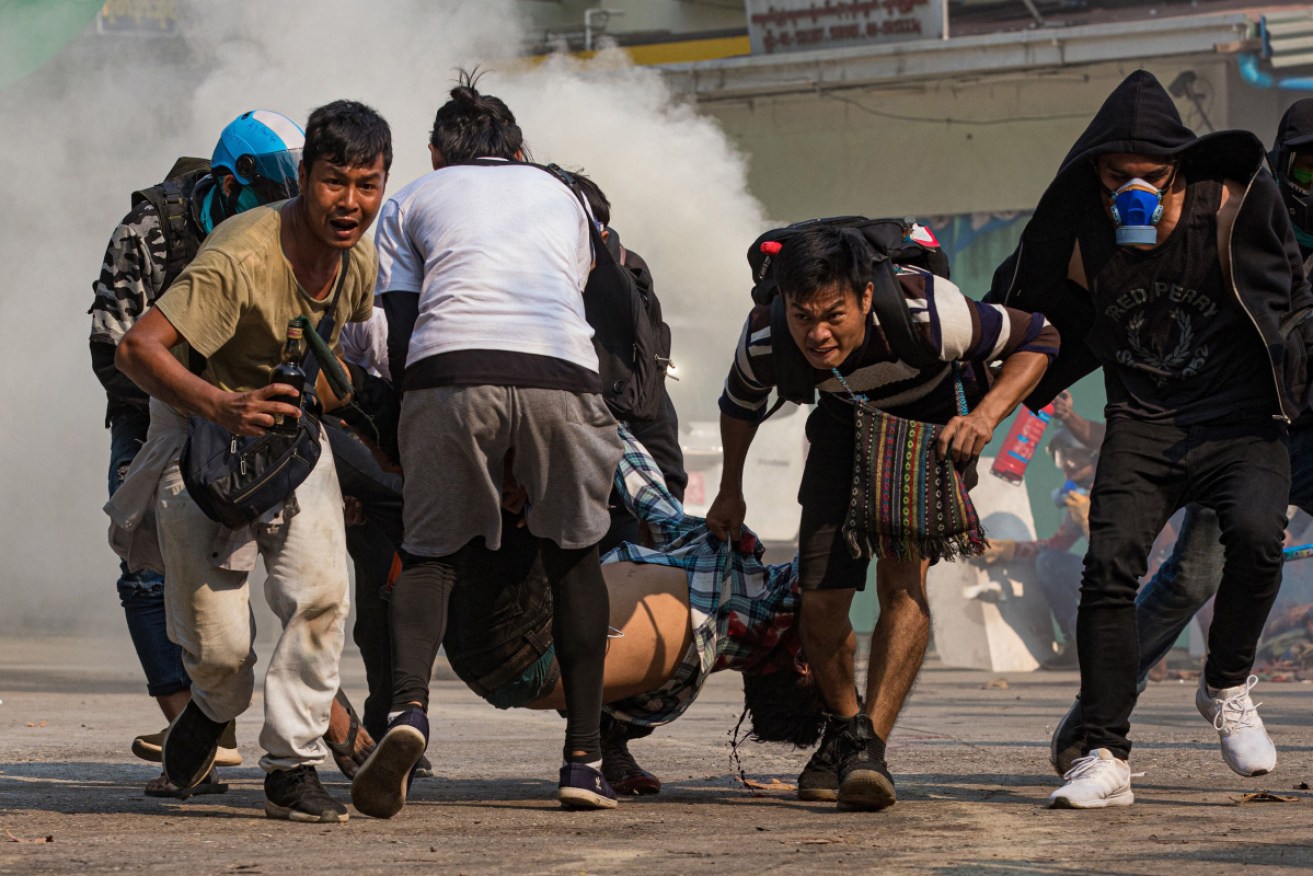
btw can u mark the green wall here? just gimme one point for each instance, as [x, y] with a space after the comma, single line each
[33, 31]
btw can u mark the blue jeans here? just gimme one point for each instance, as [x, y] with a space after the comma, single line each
[1059, 574]
[1191, 575]
[142, 593]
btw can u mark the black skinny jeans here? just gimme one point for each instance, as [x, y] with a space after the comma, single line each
[1146, 472]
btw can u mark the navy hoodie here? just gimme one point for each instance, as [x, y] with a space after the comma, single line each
[1269, 283]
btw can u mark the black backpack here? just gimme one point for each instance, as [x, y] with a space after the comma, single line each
[630, 337]
[891, 244]
[172, 201]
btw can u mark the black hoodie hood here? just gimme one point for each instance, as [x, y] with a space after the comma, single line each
[1140, 117]
[1295, 130]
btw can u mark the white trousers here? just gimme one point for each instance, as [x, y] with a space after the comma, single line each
[209, 613]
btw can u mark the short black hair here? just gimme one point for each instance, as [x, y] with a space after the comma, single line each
[821, 257]
[784, 706]
[347, 133]
[472, 125]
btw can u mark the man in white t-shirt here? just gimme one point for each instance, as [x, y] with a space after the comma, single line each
[482, 266]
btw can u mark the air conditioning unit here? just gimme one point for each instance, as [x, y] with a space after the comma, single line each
[1287, 39]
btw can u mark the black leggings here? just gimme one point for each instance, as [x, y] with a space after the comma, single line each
[580, 612]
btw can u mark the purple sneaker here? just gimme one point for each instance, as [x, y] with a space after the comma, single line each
[584, 787]
[380, 786]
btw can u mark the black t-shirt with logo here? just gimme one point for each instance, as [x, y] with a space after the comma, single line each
[1175, 345]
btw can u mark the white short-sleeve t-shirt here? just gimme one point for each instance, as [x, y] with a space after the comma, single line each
[499, 257]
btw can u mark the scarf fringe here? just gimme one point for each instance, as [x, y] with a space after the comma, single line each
[962, 546]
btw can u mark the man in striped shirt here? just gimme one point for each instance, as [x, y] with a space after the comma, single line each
[823, 276]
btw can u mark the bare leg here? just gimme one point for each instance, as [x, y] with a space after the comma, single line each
[830, 644]
[172, 704]
[899, 643]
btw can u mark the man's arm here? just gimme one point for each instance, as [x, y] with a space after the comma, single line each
[725, 517]
[144, 355]
[964, 437]
[402, 311]
[1087, 432]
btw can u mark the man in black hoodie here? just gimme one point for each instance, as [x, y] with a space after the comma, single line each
[1172, 257]
[1192, 574]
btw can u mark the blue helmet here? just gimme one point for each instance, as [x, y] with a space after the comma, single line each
[262, 150]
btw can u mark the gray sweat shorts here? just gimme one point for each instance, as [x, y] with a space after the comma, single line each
[454, 441]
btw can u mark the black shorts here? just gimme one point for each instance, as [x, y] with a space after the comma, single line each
[824, 561]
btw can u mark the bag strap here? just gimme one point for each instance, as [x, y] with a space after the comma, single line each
[891, 312]
[323, 355]
[861, 401]
[601, 255]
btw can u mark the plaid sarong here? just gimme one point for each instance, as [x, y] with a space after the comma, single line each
[906, 502]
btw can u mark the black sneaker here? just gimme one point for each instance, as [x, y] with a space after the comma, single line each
[190, 746]
[1068, 740]
[622, 772]
[584, 787]
[864, 780]
[383, 780]
[296, 795]
[819, 779]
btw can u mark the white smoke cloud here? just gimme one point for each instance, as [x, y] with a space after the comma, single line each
[111, 113]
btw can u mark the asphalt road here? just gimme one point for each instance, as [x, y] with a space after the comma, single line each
[970, 758]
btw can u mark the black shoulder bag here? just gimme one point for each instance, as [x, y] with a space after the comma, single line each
[236, 479]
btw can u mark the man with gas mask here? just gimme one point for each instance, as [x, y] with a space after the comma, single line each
[1170, 255]
[254, 163]
[1193, 572]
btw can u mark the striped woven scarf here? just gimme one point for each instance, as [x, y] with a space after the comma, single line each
[906, 502]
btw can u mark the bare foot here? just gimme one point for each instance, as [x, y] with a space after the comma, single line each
[158, 785]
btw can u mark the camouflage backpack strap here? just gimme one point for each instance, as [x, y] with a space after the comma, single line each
[172, 202]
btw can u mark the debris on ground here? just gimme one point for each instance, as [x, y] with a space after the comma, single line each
[9, 837]
[1302, 786]
[1263, 797]
[995, 684]
[36, 723]
[772, 785]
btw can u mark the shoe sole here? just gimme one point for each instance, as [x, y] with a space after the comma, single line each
[151, 753]
[199, 790]
[196, 778]
[227, 757]
[287, 813]
[818, 795]
[379, 788]
[866, 790]
[1126, 798]
[147, 751]
[1248, 775]
[580, 798]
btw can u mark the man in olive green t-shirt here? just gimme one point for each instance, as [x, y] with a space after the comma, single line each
[232, 304]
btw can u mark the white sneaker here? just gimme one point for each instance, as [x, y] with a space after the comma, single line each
[1095, 781]
[1246, 747]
